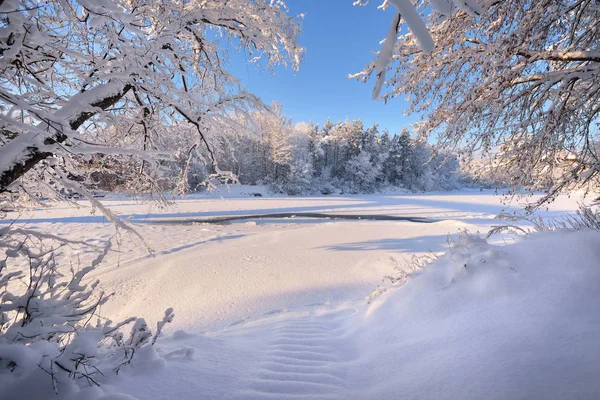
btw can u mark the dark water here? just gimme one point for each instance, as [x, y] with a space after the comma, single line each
[232, 218]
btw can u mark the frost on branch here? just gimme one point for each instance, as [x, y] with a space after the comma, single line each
[126, 82]
[345, 156]
[515, 82]
[51, 337]
[407, 12]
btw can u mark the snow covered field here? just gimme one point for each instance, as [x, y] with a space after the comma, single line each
[278, 308]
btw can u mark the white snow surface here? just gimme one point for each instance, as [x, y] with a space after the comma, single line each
[278, 308]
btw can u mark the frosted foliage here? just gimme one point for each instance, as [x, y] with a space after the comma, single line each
[89, 81]
[344, 156]
[51, 339]
[363, 173]
[515, 82]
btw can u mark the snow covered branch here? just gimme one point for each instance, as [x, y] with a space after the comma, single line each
[516, 80]
[74, 71]
[46, 317]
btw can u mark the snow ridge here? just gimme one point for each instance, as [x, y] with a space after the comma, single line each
[304, 360]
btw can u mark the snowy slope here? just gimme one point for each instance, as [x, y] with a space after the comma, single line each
[514, 322]
[213, 275]
[481, 322]
[277, 308]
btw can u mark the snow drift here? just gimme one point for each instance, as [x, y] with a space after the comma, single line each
[518, 321]
[483, 321]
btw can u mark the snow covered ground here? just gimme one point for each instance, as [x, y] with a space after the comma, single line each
[278, 308]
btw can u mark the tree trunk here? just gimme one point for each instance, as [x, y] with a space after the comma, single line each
[32, 154]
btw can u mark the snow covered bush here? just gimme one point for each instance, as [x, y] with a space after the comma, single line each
[587, 217]
[51, 336]
[324, 183]
[299, 179]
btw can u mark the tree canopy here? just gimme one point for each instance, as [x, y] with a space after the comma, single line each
[514, 80]
[73, 68]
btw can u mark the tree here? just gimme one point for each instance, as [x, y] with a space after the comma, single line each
[74, 68]
[517, 79]
[276, 133]
[87, 84]
[265, 147]
[405, 153]
[362, 173]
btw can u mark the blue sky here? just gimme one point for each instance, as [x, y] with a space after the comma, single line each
[339, 39]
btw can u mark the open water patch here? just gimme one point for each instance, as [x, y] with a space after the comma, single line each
[290, 215]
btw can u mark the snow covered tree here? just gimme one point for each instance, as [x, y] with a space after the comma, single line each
[276, 133]
[420, 176]
[395, 166]
[517, 79]
[404, 156]
[265, 147]
[73, 67]
[88, 86]
[362, 173]
[391, 165]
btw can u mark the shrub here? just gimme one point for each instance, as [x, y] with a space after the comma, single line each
[47, 312]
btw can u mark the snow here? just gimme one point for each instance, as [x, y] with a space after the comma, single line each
[385, 55]
[444, 7]
[415, 23]
[406, 11]
[279, 308]
[519, 321]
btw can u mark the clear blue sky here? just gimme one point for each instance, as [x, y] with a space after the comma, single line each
[339, 39]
